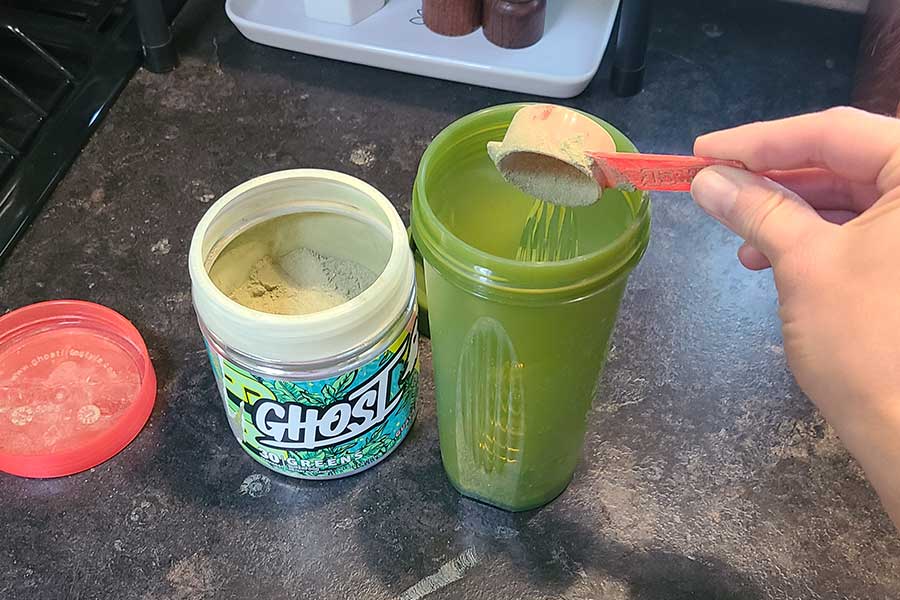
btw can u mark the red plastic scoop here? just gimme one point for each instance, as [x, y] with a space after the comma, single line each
[652, 172]
[558, 155]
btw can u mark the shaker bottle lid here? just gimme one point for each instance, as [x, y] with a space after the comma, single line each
[76, 386]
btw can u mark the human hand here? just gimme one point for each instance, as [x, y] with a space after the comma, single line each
[827, 219]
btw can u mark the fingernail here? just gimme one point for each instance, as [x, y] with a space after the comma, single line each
[715, 192]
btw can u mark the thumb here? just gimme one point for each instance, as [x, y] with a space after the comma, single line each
[771, 218]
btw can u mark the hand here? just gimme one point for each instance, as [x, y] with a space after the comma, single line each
[827, 220]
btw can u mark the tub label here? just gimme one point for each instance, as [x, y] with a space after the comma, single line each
[327, 427]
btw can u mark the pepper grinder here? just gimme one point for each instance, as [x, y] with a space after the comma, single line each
[452, 17]
[514, 23]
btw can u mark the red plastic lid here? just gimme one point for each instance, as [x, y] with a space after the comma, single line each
[76, 386]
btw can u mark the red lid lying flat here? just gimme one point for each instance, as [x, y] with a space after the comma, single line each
[76, 386]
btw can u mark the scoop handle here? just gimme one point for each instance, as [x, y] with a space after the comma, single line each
[651, 172]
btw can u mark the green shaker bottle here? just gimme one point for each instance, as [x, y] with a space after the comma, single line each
[518, 347]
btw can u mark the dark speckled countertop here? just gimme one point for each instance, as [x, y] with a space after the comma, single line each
[707, 474]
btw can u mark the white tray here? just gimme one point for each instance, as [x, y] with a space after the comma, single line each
[561, 65]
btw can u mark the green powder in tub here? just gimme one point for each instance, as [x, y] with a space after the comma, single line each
[301, 282]
[301, 263]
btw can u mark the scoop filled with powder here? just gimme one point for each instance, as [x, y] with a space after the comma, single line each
[544, 153]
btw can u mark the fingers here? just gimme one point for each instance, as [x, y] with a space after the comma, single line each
[752, 258]
[823, 190]
[768, 216]
[851, 143]
[755, 260]
[838, 217]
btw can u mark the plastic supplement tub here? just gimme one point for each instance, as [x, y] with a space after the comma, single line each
[325, 394]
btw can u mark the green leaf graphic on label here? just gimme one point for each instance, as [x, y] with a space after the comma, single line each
[287, 391]
[329, 392]
[344, 382]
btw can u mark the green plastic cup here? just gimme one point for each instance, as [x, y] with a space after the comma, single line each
[518, 347]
